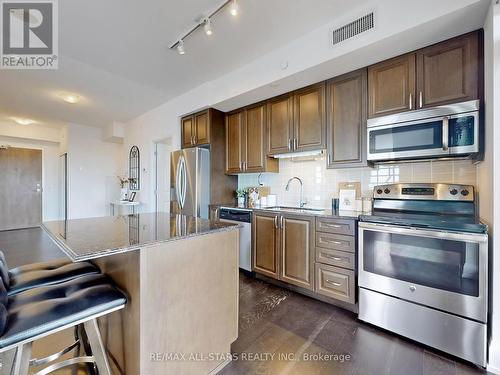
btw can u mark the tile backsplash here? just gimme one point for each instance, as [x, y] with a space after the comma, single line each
[321, 184]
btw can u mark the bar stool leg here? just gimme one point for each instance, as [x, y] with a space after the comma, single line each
[97, 347]
[22, 361]
[7, 359]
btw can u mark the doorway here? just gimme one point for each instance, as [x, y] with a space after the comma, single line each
[20, 188]
[162, 175]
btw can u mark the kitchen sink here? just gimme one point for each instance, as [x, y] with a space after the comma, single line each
[293, 209]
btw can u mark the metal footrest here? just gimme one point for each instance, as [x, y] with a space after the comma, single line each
[67, 362]
[43, 361]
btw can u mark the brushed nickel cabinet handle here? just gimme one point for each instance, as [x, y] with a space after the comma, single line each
[331, 241]
[329, 159]
[338, 259]
[411, 101]
[333, 282]
[295, 143]
[276, 222]
[282, 223]
[289, 143]
[332, 225]
[420, 99]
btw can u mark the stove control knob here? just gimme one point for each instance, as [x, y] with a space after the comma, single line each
[453, 191]
[464, 192]
[387, 191]
[379, 191]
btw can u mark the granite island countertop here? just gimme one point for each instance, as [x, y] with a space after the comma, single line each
[90, 238]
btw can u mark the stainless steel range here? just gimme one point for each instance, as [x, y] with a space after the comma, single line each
[423, 267]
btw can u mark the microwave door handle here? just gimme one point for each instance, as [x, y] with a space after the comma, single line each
[445, 132]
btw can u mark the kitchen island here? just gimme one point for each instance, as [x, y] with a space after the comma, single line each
[181, 276]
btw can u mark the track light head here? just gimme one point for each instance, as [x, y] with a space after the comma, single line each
[180, 47]
[208, 26]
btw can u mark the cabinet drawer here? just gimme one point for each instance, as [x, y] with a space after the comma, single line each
[335, 283]
[336, 226]
[336, 258]
[336, 242]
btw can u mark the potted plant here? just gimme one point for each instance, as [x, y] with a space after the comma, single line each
[123, 187]
[240, 195]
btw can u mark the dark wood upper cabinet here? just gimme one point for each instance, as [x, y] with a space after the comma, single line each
[234, 134]
[195, 129]
[448, 72]
[202, 128]
[255, 129]
[297, 250]
[266, 244]
[246, 141]
[346, 120]
[391, 86]
[309, 118]
[187, 131]
[280, 124]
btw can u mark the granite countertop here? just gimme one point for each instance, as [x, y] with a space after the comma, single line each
[340, 214]
[84, 239]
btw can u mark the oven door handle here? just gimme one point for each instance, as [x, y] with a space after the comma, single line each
[419, 232]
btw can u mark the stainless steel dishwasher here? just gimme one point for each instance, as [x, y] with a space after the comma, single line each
[243, 217]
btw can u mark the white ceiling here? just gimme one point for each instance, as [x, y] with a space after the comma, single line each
[114, 53]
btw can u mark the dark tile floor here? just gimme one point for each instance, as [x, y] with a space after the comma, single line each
[28, 246]
[282, 332]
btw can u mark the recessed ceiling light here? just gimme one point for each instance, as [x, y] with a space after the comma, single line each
[180, 47]
[24, 121]
[70, 98]
[208, 26]
[234, 8]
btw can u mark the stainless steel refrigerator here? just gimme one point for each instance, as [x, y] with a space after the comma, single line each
[190, 182]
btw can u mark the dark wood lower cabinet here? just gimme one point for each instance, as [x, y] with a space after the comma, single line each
[297, 250]
[266, 245]
[287, 247]
[284, 248]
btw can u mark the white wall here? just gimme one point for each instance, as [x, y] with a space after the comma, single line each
[489, 172]
[92, 169]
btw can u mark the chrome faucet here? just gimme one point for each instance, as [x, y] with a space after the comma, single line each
[287, 188]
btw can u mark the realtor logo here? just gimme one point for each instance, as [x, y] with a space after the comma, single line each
[29, 34]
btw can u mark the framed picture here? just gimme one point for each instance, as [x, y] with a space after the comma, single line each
[132, 196]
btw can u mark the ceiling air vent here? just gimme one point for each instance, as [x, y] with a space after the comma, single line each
[353, 28]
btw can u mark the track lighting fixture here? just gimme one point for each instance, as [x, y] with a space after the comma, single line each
[234, 8]
[206, 22]
[180, 47]
[208, 26]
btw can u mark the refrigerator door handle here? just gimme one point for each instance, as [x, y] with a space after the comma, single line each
[178, 183]
[184, 181]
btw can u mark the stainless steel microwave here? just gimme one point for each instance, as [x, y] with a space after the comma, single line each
[444, 131]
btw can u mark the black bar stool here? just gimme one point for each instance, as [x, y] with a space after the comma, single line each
[36, 313]
[38, 274]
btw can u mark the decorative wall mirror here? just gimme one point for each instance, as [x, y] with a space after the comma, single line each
[134, 169]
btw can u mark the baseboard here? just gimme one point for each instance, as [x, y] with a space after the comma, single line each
[494, 357]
